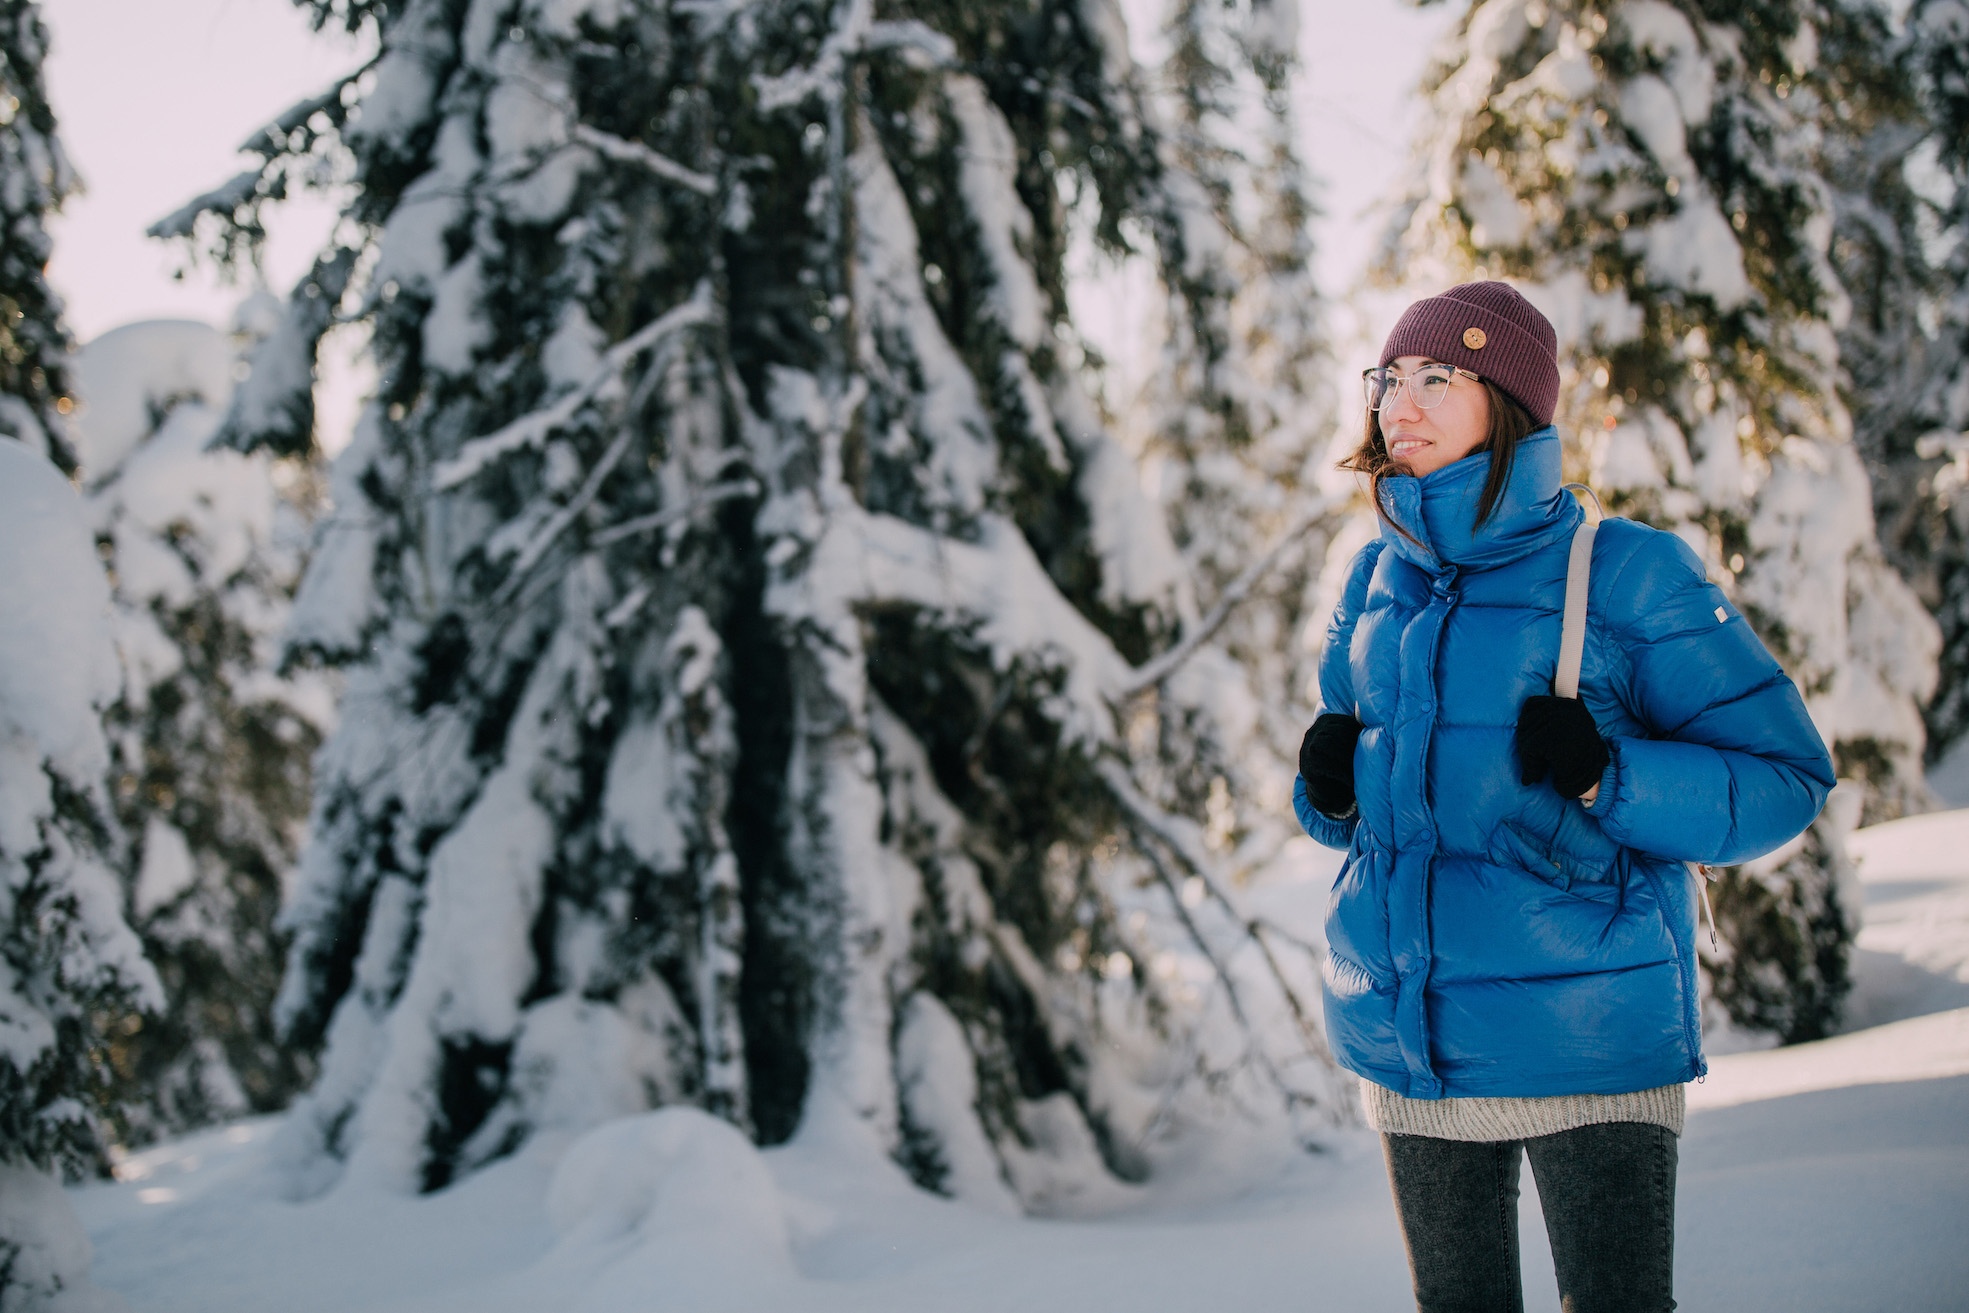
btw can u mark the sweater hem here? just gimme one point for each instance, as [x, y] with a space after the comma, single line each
[1492, 1119]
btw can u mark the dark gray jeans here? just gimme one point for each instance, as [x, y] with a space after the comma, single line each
[1609, 1198]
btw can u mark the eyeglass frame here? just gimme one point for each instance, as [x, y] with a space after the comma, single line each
[1401, 381]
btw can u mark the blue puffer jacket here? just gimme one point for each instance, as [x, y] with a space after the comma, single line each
[1489, 938]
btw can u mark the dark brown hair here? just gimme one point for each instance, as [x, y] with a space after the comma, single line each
[1510, 424]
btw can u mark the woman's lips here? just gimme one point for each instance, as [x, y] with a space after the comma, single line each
[1406, 446]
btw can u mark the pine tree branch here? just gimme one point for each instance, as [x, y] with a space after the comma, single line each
[1253, 1049]
[712, 494]
[557, 523]
[1151, 820]
[531, 429]
[222, 200]
[271, 143]
[634, 152]
[911, 34]
[1155, 670]
[529, 555]
[271, 139]
[824, 74]
[857, 33]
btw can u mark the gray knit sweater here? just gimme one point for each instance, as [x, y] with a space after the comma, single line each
[1518, 1119]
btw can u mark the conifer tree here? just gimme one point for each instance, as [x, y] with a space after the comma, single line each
[767, 685]
[1904, 252]
[1652, 175]
[34, 176]
[1235, 413]
[73, 978]
[1239, 414]
[210, 746]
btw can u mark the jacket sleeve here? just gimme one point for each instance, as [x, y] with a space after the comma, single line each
[1337, 690]
[1732, 766]
[1334, 833]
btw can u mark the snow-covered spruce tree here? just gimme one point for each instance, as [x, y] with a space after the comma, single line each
[34, 176]
[1234, 410]
[1650, 174]
[767, 685]
[1235, 419]
[1904, 256]
[210, 746]
[72, 975]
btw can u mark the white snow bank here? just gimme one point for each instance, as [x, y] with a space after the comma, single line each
[674, 1206]
[1831, 1176]
[46, 1250]
[1818, 1201]
[1912, 955]
[1934, 845]
[1825, 1200]
[1920, 1048]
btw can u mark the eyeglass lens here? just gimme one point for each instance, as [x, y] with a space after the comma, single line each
[1428, 386]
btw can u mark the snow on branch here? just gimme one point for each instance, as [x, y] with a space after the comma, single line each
[1156, 669]
[222, 200]
[584, 497]
[269, 142]
[1176, 835]
[1150, 823]
[994, 587]
[713, 494]
[625, 151]
[271, 139]
[1942, 442]
[556, 524]
[856, 34]
[795, 85]
[911, 34]
[531, 429]
[871, 560]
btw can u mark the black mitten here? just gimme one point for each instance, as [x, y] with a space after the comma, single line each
[1326, 763]
[1558, 734]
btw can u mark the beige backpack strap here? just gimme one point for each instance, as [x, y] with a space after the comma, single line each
[1572, 631]
[1572, 650]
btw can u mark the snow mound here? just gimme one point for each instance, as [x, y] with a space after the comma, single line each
[1822, 1177]
[1920, 1048]
[1935, 843]
[689, 1189]
[45, 1249]
[1912, 954]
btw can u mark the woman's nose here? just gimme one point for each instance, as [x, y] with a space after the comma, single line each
[1402, 406]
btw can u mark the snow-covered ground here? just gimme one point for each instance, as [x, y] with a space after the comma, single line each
[1829, 1176]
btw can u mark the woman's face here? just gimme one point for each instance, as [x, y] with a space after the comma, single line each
[1427, 440]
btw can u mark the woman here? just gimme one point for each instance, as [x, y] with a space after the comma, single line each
[1512, 961]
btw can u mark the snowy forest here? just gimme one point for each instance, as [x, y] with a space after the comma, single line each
[803, 648]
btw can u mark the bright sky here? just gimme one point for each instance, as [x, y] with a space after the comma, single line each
[154, 96]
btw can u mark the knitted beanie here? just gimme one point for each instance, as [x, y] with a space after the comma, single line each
[1492, 331]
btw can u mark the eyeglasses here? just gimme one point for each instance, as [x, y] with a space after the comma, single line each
[1428, 385]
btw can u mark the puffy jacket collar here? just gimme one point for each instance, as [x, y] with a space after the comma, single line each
[1440, 510]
